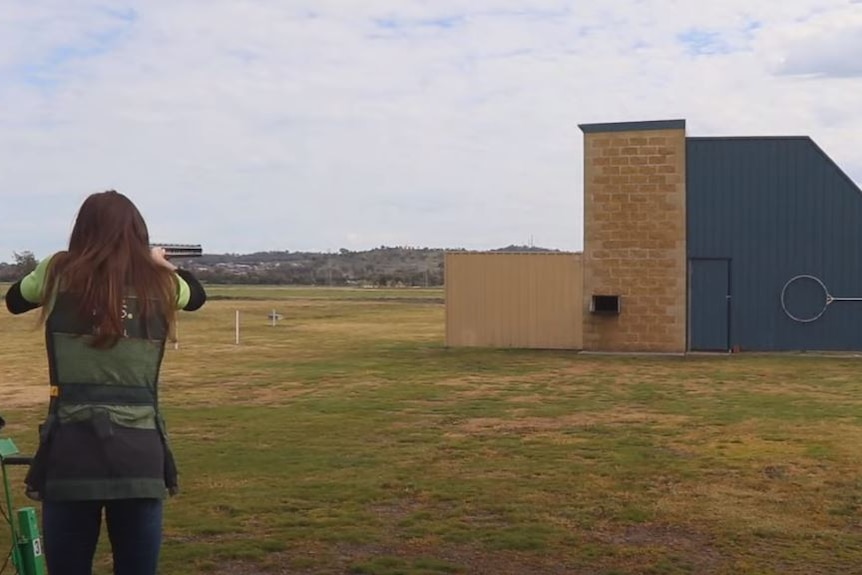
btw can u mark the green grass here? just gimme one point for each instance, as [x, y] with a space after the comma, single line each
[277, 293]
[348, 439]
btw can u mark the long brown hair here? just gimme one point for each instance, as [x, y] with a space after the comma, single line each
[109, 259]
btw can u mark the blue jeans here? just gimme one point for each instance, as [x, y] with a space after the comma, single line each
[71, 531]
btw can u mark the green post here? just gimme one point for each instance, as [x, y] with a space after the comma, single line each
[7, 448]
[30, 543]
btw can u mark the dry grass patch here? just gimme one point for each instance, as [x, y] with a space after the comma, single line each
[527, 424]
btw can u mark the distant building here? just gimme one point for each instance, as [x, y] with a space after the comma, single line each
[690, 244]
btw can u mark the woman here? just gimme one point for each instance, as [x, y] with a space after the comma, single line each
[109, 303]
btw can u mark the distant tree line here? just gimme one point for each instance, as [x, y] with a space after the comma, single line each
[382, 267]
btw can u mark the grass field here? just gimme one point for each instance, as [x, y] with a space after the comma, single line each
[348, 439]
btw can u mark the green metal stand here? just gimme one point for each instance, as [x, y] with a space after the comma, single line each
[27, 554]
[30, 543]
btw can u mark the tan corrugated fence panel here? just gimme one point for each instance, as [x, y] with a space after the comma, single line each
[521, 300]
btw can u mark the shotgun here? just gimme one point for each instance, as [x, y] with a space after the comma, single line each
[180, 250]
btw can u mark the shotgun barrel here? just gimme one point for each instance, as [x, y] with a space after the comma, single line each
[180, 250]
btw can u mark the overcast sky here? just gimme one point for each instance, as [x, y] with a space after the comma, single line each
[251, 125]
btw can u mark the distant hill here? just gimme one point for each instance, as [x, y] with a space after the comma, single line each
[383, 266]
[514, 248]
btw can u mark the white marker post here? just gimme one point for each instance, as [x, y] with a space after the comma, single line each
[273, 318]
[236, 325]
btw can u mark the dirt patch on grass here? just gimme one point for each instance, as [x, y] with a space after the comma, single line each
[694, 550]
[645, 545]
[413, 556]
[538, 424]
[237, 393]
[521, 388]
[396, 511]
[471, 385]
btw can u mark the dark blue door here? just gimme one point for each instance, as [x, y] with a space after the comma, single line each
[709, 305]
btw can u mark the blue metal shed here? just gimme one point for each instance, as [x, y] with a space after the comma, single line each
[761, 212]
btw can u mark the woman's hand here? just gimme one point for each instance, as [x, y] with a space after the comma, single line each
[161, 259]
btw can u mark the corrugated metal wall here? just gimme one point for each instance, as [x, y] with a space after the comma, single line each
[519, 300]
[777, 208]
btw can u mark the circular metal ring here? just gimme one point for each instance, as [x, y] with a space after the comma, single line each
[826, 302]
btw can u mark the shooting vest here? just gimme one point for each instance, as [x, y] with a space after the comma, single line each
[104, 437]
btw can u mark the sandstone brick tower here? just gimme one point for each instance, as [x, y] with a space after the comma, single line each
[634, 259]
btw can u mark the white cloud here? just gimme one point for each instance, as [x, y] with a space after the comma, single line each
[322, 124]
[833, 52]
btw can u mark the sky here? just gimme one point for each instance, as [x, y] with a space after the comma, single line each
[316, 125]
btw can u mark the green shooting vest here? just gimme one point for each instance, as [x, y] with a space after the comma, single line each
[103, 437]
